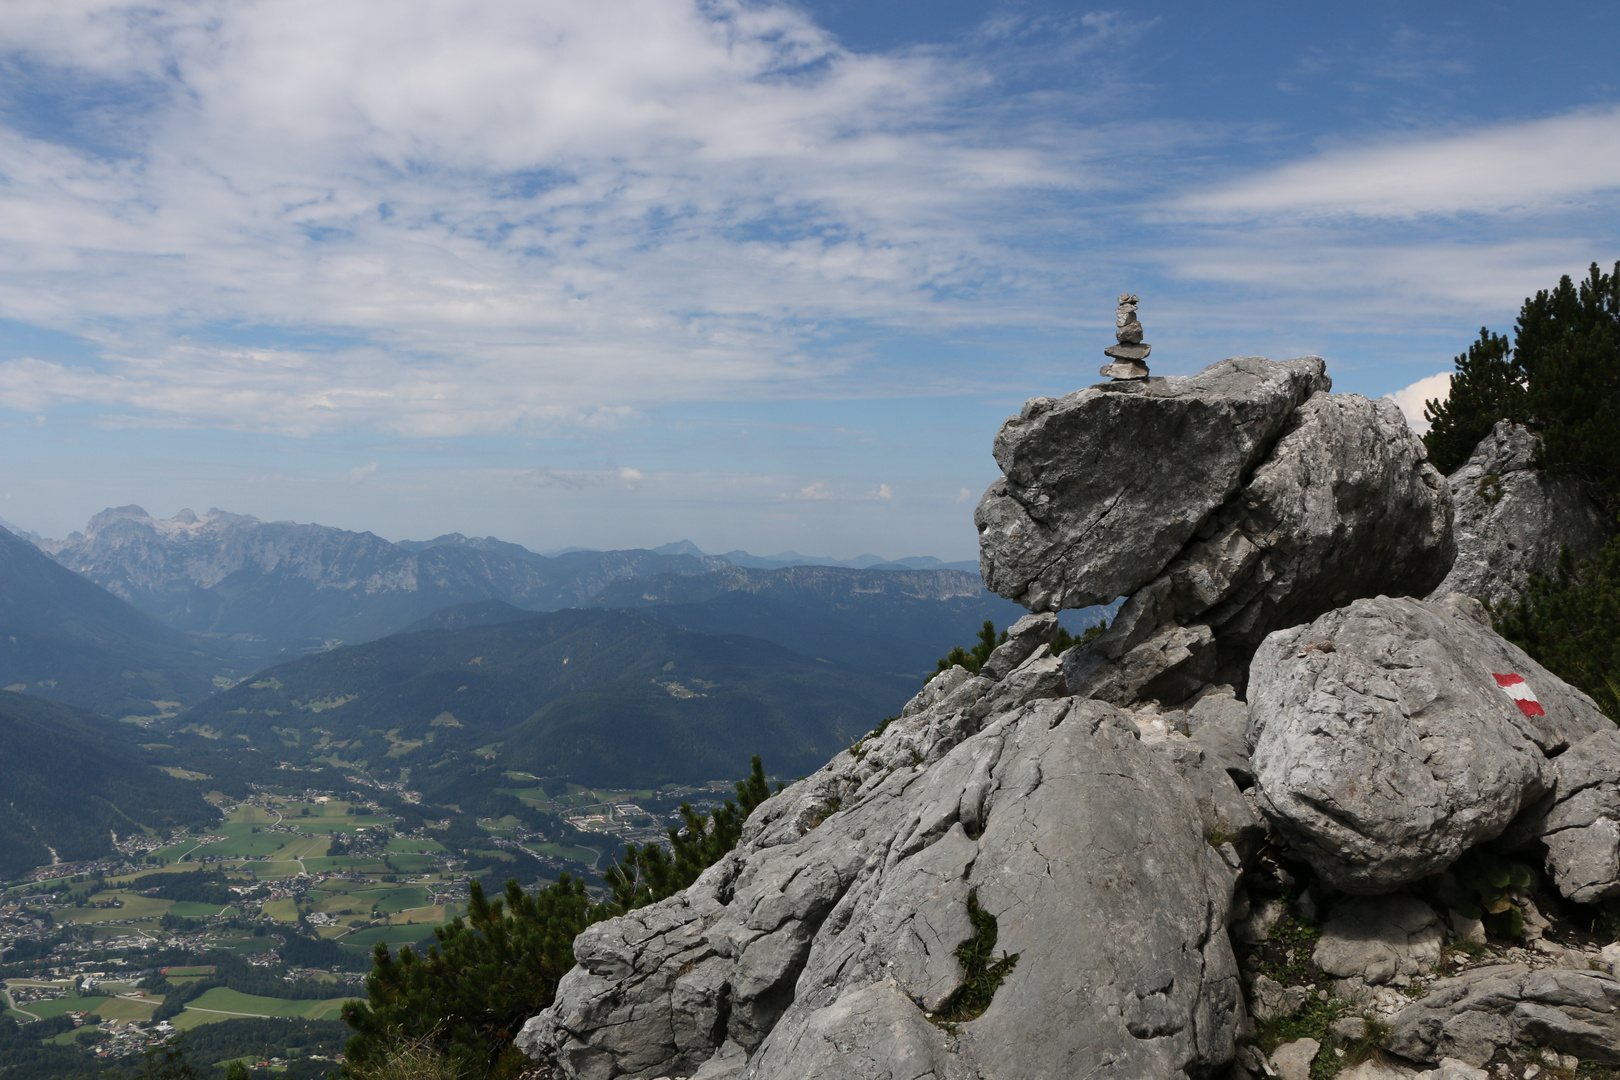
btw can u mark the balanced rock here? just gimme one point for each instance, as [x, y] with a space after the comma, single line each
[820, 946]
[1393, 734]
[1345, 506]
[1512, 519]
[1102, 488]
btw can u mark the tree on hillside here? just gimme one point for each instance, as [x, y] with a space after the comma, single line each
[1560, 377]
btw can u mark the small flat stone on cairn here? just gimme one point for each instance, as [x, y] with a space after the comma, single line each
[1128, 355]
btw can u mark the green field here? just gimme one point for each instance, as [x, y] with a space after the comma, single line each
[326, 864]
[395, 936]
[281, 910]
[406, 845]
[190, 909]
[584, 855]
[412, 864]
[192, 972]
[221, 1003]
[47, 1009]
[125, 1009]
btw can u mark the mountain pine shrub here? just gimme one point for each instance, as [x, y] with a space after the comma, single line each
[1560, 376]
[1569, 622]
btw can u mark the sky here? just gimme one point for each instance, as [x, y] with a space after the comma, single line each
[758, 275]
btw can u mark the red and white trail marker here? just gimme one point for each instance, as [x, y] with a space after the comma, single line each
[1516, 688]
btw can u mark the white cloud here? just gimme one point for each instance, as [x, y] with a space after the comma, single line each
[630, 478]
[816, 491]
[1536, 165]
[473, 216]
[361, 473]
[1412, 399]
[883, 493]
[963, 497]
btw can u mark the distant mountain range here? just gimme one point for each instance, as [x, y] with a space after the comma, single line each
[268, 589]
[263, 591]
[65, 638]
[70, 780]
[793, 558]
[895, 621]
[599, 696]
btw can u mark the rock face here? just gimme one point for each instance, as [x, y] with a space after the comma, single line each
[1376, 938]
[1343, 505]
[1257, 699]
[1384, 747]
[1469, 1017]
[1581, 825]
[1511, 518]
[1102, 488]
[822, 942]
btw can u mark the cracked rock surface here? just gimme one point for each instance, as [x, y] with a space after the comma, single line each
[1470, 1016]
[1386, 754]
[1512, 519]
[821, 943]
[1101, 488]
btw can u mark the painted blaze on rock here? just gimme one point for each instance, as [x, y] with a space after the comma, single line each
[1385, 759]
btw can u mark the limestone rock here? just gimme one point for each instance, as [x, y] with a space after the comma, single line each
[818, 945]
[1293, 1060]
[1343, 505]
[1270, 999]
[1582, 826]
[1377, 938]
[1346, 506]
[1470, 1016]
[1511, 519]
[1102, 488]
[1387, 756]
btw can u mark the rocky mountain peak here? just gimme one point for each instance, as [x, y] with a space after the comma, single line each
[1274, 733]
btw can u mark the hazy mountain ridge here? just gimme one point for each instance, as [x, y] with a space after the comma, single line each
[276, 587]
[888, 620]
[784, 559]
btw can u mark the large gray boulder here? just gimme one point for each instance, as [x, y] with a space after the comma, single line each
[1384, 746]
[1512, 519]
[1469, 1017]
[1344, 505]
[1103, 487]
[819, 946]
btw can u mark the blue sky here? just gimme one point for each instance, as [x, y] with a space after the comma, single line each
[760, 275]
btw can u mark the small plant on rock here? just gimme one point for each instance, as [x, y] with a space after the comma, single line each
[981, 973]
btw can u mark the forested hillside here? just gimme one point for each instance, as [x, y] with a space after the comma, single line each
[65, 638]
[69, 780]
[610, 697]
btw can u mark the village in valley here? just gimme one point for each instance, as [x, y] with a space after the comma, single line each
[291, 891]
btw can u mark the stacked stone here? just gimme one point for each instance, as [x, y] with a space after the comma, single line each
[1131, 350]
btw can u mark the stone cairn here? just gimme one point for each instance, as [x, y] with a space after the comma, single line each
[1128, 355]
